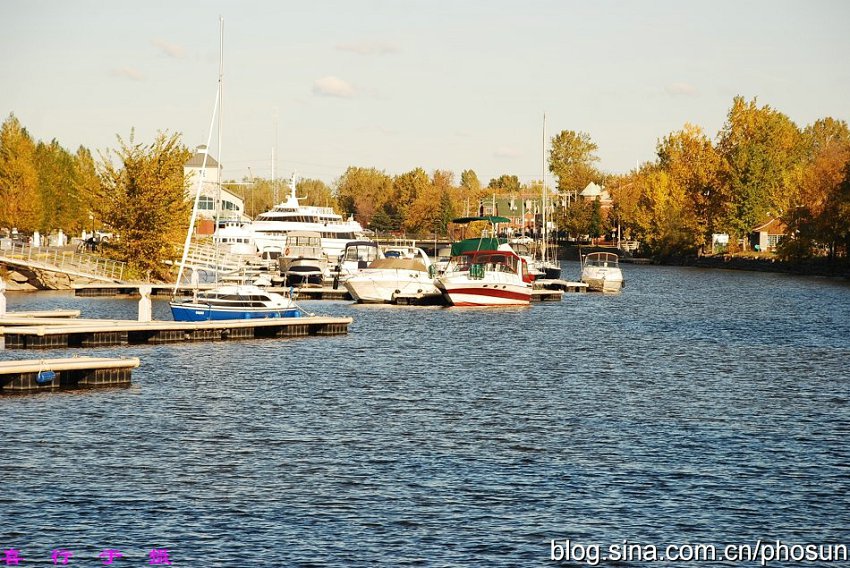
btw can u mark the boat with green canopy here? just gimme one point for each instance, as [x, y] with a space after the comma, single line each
[485, 270]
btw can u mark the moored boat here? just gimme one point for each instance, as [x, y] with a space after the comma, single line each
[234, 302]
[601, 272]
[389, 278]
[303, 262]
[485, 271]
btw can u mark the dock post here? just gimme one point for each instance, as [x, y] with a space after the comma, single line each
[2, 297]
[145, 311]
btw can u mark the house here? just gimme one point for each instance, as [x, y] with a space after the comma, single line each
[593, 191]
[231, 207]
[768, 235]
[524, 209]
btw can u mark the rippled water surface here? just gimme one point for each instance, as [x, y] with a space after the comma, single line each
[697, 406]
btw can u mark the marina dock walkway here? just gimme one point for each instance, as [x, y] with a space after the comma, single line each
[52, 333]
[77, 372]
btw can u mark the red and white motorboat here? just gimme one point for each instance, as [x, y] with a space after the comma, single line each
[485, 271]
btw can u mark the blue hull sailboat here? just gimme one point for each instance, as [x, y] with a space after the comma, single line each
[234, 302]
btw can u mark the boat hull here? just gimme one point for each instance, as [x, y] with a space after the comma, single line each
[467, 292]
[604, 280]
[198, 312]
[377, 288]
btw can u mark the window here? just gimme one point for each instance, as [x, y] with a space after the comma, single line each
[206, 203]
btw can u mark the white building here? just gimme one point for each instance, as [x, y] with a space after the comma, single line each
[230, 208]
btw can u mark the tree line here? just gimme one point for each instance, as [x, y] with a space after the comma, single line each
[759, 166]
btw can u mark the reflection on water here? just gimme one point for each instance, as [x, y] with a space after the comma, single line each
[697, 406]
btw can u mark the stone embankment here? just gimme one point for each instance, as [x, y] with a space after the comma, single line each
[30, 279]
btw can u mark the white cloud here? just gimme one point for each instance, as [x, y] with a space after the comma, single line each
[506, 152]
[369, 47]
[169, 49]
[681, 90]
[128, 73]
[332, 87]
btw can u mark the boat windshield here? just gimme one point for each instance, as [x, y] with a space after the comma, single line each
[491, 261]
[358, 253]
[602, 259]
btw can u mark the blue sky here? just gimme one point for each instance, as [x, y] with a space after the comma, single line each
[396, 85]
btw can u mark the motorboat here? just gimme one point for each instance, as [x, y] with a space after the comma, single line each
[601, 272]
[356, 256]
[387, 279]
[485, 271]
[303, 262]
[234, 302]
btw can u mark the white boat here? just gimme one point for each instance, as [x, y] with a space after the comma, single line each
[226, 302]
[303, 261]
[234, 302]
[601, 272]
[356, 256]
[485, 272]
[387, 279]
[269, 229]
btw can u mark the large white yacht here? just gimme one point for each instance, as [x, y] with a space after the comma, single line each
[268, 231]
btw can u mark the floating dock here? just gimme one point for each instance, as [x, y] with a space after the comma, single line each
[50, 333]
[562, 285]
[52, 374]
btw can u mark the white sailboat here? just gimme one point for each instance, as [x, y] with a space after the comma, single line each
[225, 302]
[550, 268]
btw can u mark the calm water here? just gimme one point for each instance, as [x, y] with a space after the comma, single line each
[696, 407]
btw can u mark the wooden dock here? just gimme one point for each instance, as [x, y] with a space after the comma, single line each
[52, 333]
[562, 285]
[52, 374]
[126, 289]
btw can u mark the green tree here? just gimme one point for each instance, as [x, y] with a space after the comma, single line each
[86, 183]
[20, 203]
[504, 184]
[63, 209]
[759, 148]
[144, 191]
[571, 160]
[407, 188]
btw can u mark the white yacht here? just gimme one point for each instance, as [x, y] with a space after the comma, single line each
[269, 230]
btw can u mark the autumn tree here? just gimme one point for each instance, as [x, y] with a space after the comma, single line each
[86, 184]
[407, 188]
[665, 220]
[62, 206]
[315, 192]
[144, 194]
[20, 203]
[690, 160]
[362, 192]
[572, 159]
[432, 210]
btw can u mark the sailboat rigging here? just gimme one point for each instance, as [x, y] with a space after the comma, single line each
[225, 302]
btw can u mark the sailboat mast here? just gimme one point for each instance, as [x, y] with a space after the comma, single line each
[220, 167]
[187, 243]
[543, 189]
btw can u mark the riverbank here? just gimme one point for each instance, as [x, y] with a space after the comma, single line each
[810, 267]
